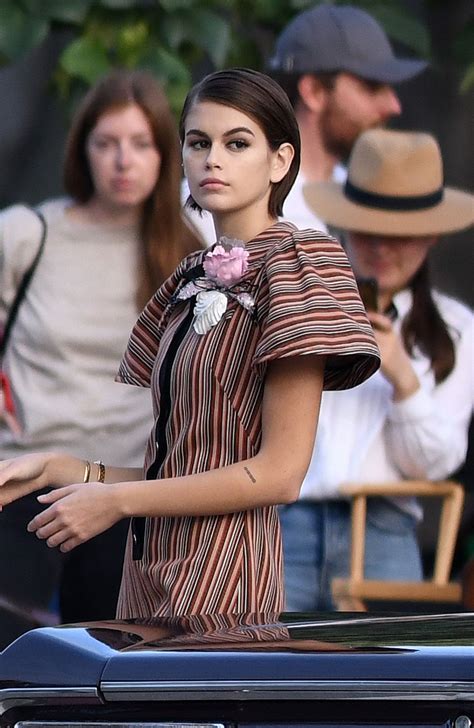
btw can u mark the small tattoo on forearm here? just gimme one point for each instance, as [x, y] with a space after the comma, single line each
[249, 474]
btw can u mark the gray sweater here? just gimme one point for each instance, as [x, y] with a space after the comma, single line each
[69, 337]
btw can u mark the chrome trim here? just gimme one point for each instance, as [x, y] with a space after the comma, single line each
[400, 619]
[288, 690]
[14, 697]
[113, 724]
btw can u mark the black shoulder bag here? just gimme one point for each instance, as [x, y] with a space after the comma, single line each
[8, 402]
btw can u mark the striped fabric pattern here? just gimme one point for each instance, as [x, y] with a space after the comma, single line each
[306, 303]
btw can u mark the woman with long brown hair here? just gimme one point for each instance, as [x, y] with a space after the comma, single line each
[109, 245]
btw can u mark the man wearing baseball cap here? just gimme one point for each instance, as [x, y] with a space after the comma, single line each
[337, 66]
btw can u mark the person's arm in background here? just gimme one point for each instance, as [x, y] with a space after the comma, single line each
[427, 427]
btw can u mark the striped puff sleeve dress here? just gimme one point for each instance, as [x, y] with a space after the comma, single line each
[207, 393]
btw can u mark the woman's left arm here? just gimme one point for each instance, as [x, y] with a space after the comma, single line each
[274, 475]
[427, 426]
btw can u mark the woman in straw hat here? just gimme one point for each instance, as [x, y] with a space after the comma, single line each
[410, 420]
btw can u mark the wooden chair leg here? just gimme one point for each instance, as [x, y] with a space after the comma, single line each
[351, 593]
[351, 604]
[448, 530]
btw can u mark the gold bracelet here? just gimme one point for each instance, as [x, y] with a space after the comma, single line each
[87, 472]
[101, 471]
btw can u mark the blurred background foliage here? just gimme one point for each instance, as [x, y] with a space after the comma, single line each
[179, 39]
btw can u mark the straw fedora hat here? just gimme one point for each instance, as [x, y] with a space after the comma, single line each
[394, 187]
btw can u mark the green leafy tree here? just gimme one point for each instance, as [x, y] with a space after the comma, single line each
[174, 38]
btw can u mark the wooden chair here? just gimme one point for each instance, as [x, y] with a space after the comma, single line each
[351, 593]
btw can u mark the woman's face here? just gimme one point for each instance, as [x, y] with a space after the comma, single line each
[393, 261]
[228, 163]
[123, 159]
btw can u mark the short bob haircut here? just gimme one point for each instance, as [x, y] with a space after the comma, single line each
[260, 97]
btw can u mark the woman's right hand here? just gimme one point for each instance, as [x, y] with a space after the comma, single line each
[23, 475]
[396, 364]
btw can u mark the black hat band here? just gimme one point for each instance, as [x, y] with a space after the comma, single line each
[392, 202]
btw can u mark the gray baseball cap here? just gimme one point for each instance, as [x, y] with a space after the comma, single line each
[340, 38]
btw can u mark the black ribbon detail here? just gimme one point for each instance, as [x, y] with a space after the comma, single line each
[196, 271]
[392, 202]
[138, 522]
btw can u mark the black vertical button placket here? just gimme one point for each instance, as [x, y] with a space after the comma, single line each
[138, 523]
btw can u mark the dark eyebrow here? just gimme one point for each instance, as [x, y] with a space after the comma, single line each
[237, 130]
[112, 135]
[196, 132]
[373, 85]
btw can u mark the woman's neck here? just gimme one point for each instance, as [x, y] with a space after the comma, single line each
[385, 298]
[95, 212]
[240, 226]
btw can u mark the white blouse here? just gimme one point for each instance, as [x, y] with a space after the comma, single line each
[364, 436]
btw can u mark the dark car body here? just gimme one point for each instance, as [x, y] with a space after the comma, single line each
[326, 670]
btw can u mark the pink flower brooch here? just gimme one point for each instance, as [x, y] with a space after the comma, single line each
[224, 267]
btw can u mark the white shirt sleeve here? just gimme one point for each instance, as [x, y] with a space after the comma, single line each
[427, 433]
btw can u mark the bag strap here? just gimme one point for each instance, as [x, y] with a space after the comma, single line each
[22, 288]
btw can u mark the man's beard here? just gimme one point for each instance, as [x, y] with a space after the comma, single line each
[338, 133]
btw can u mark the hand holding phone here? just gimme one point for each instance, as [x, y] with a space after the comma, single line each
[368, 290]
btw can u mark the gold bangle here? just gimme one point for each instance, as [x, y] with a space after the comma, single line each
[87, 472]
[101, 471]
